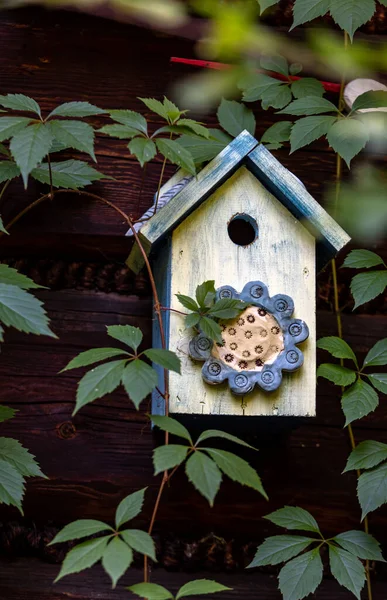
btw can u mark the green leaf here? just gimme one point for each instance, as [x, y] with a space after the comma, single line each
[358, 259]
[168, 457]
[8, 170]
[156, 106]
[348, 137]
[83, 556]
[23, 311]
[211, 329]
[377, 355]
[295, 68]
[276, 97]
[69, 174]
[237, 469]
[173, 113]
[337, 374]
[372, 489]
[204, 475]
[235, 117]
[129, 507]
[360, 544]
[74, 134]
[92, 356]
[337, 347]
[131, 336]
[301, 576]
[165, 358]
[13, 452]
[172, 426]
[374, 99]
[11, 485]
[3, 229]
[215, 433]
[366, 455]
[10, 126]
[122, 132]
[276, 63]
[279, 548]
[140, 541]
[379, 381]
[20, 102]
[203, 150]
[79, 529]
[358, 401]
[307, 10]
[196, 127]
[205, 293]
[13, 277]
[264, 4]
[131, 119]
[255, 86]
[143, 149]
[29, 147]
[187, 302]
[76, 109]
[293, 517]
[199, 587]
[352, 14]
[366, 286]
[150, 591]
[116, 559]
[277, 133]
[347, 569]
[310, 105]
[192, 320]
[101, 380]
[176, 154]
[308, 87]
[6, 413]
[139, 379]
[4, 150]
[308, 130]
[227, 308]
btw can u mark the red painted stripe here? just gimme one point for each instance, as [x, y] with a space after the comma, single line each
[208, 64]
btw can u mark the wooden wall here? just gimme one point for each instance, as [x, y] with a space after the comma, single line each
[77, 248]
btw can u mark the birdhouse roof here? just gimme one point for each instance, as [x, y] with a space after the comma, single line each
[246, 151]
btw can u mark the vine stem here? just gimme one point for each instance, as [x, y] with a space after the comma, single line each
[336, 302]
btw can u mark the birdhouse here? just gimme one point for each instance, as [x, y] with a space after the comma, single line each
[249, 224]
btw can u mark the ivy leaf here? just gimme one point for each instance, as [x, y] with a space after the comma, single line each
[226, 308]
[199, 587]
[255, 86]
[79, 529]
[168, 457]
[23, 311]
[74, 134]
[366, 455]
[13, 277]
[116, 559]
[360, 544]
[92, 356]
[215, 433]
[29, 147]
[293, 517]
[130, 119]
[366, 286]
[13, 452]
[3, 229]
[192, 320]
[264, 4]
[150, 591]
[139, 379]
[6, 413]
[337, 374]
[83, 556]
[301, 576]
[307, 10]
[101, 380]
[11, 485]
[10, 126]
[276, 97]
[156, 106]
[372, 489]
[279, 548]
[374, 99]
[358, 401]
[203, 473]
[379, 381]
[4, 150]
[172, 426]
[205, 293]
[20, 102]
[76, 109]
[347, 137]
[69, 174]
[122, 132]
[211, 329]
[143, 149]
[129, 507]
[337, 347]
[352, 14]
[310, 105]
[187, 302]
[347, 569]
[165, 358]
[196, 127]
[203, 150]
[176, 154]
[276, 134]
[308, 87]
[276, 63]
[237, 469]
[308, 130]
[140, 541]
[131, 336]
[8, 170]
[377, 355]
[359, 259]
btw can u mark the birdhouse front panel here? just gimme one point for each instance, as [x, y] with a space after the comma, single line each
[255, 249]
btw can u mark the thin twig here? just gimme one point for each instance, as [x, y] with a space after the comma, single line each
[50, 175]
[3, 189]
[159, 185]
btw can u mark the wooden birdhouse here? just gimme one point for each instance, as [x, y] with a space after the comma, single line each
[249, 224]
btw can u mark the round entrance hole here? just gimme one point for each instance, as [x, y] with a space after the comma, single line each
[242, 229]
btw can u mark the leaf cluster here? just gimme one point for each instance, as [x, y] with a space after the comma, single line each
[196, 587]
[366, 286]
